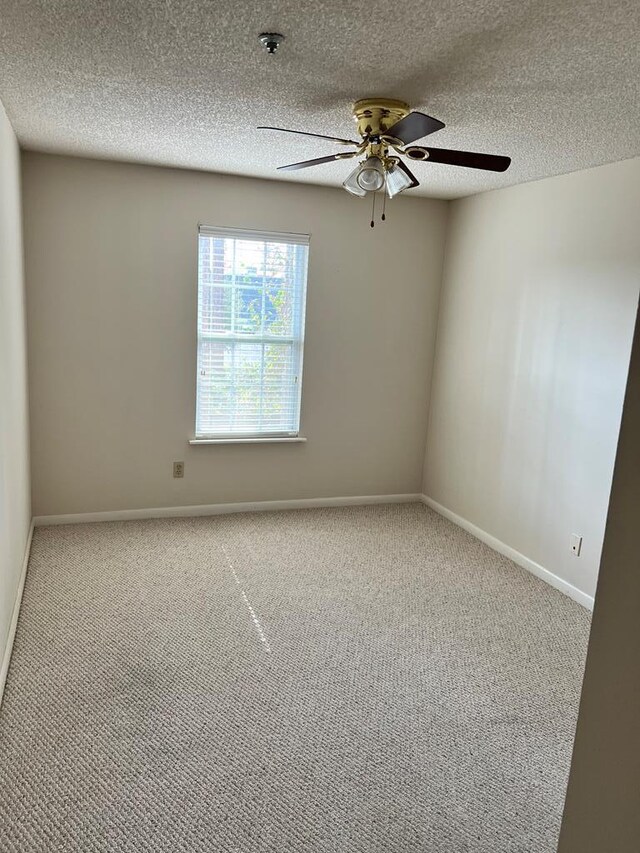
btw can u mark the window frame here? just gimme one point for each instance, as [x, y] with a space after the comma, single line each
[296, 341]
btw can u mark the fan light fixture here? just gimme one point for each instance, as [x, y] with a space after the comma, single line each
[398, 180]
[367, 177]
[351, 184]
[370, 176]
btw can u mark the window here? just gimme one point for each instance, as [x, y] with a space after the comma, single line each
[251, 302]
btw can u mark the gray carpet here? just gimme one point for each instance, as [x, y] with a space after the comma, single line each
[352, 680]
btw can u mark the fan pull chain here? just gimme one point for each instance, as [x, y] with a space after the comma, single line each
[373, 209]
[384, 204]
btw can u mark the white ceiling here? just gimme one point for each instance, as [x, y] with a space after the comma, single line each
[553, 83]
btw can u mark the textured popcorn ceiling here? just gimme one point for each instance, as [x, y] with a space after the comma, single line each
[553, 84]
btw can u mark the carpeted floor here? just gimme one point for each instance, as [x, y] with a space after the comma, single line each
[350, 680]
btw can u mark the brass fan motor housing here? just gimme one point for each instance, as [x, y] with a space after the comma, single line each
[374, 116]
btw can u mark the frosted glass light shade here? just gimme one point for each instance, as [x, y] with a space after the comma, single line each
[397, 181]
[351, 184]
[371, 174]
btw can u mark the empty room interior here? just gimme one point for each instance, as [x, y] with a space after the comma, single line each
[319, 427]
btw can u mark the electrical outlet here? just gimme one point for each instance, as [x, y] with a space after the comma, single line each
[178, 469]
[576, 544]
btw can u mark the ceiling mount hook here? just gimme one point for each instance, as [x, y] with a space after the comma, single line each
[271, 41]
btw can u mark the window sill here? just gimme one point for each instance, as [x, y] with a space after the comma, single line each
[281, 440]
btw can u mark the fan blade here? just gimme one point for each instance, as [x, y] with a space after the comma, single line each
[335, 139]
[414, 126]
[306, 163]
[490, 162]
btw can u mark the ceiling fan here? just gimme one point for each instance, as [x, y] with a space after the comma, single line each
[387, 128]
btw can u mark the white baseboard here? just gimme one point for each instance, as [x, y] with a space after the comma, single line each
[513, 555]
[222, 509]
[6, 657]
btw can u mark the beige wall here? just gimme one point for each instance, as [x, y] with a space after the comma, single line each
[15, 503]
[539, 299]
[111, 282]
[602, 813]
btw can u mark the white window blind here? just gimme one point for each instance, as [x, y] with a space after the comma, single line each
[251, 303]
